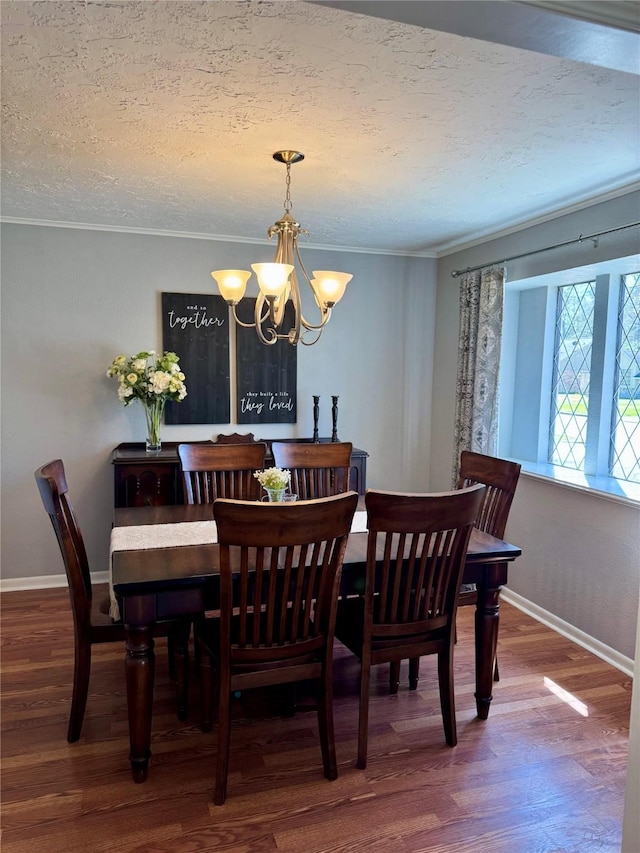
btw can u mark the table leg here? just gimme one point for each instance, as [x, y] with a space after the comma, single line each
[140, 664]
[486, 624]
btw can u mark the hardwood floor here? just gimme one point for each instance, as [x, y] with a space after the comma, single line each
[545, 774]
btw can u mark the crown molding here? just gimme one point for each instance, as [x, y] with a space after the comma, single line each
[214, 238]
[621, 14]
[480, 238]
[477, 239]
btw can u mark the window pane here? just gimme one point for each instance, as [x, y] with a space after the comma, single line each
[625, 435]
[571, 375]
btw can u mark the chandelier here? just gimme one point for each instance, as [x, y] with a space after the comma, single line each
[278, 281]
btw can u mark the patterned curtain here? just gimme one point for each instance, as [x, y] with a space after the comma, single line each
[476, 423]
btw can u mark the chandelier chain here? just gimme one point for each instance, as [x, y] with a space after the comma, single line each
[287, 198]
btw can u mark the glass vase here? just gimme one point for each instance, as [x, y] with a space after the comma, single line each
[153, 410]
[275, 495]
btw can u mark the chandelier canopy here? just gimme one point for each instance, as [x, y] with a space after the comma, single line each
[278, 281]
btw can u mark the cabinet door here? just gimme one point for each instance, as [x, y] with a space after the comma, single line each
[358, 475]
[146, 485]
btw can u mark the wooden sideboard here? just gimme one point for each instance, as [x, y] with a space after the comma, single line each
[153, 479]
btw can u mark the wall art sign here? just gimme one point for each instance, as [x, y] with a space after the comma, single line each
[266, 376]
[196, 327]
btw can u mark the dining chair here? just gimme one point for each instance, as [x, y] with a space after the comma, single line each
[501, 478]
[416, 551]
[221, 470]
[91, 620]
[280, 568]
[317, 470]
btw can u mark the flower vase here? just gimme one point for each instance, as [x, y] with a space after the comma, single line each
[275, 495]
[153, 411]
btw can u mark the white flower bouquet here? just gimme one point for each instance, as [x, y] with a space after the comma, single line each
[273, 478]
[153, 379]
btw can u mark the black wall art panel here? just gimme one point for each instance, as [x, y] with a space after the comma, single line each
[266, 375]
[196, 328]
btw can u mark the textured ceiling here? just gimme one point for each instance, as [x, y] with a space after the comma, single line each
[164, 116]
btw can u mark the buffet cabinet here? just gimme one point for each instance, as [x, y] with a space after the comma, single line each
[145, 479]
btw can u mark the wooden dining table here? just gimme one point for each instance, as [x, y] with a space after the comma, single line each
[182, 581]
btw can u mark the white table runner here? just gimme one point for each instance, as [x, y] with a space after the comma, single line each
[146, 536]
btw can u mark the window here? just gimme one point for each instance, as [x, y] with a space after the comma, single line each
[625, 430]
[570, 382]
[571, 374]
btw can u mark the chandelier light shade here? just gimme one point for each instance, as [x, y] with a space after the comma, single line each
[278, 281]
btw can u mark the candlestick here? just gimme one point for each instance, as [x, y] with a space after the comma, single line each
[334, 417]
[316, 412]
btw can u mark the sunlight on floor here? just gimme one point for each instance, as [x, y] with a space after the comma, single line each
[567, 697]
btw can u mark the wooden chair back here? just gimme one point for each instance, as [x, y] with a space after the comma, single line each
[412, 591]
[317, 470]
[416, 552]
[52, 484]
[236, 438]
[287, 558]
[212, 471]
[501, 478]
[280, 570]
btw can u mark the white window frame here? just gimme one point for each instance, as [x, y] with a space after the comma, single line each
[526, 375]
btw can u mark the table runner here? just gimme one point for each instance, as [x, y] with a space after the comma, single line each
[181, 534]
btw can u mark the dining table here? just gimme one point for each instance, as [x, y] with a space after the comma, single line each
[171, 571]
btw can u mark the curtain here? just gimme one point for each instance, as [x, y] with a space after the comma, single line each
[476, 420]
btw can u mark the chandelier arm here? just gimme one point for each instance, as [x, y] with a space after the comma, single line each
[309, 343]
[284, 255]
[325, 313]
[294, 333]
[239, 321]
[271, 335]
[247, 325]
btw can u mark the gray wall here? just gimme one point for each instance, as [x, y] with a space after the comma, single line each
[580, 550]
[73, 299]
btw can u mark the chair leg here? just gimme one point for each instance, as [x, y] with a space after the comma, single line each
[496, 671]
[171, 656]
[224, 737]
[363, 717]
[325, 725]
[414, 668]
[290, 701]
[197, 652]
[206, 692]
[447, 699]
[81, 673]
[178, 642]
[394, 676]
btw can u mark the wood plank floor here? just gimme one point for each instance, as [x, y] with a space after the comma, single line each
[545, 774]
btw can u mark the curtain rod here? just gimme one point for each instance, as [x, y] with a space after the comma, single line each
[579, 239]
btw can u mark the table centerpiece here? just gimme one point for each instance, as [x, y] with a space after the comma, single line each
[274, 481]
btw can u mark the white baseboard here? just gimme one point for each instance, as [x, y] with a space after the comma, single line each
[606, 653]
[45, 582]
